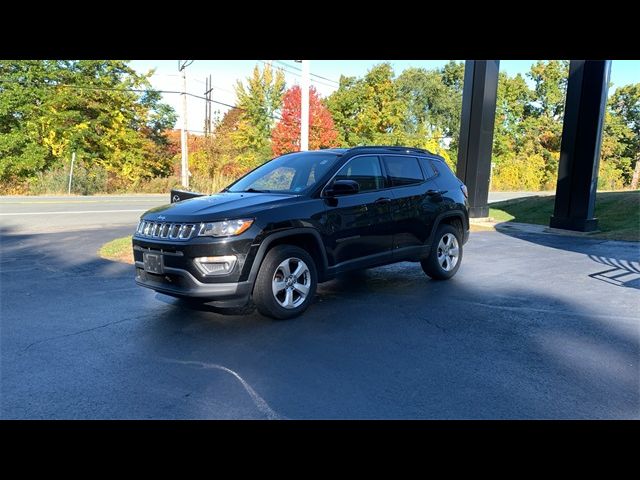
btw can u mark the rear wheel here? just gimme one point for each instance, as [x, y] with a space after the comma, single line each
[286, 282]
[446, 254]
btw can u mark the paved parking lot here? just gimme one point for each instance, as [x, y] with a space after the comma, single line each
[533, 326]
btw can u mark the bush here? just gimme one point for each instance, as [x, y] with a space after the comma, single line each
[86, 181]
[610, 177]
[518, 173]
[153, 185]
[165, 184]
[14, 186]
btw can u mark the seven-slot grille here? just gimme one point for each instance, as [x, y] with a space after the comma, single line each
[171, 231]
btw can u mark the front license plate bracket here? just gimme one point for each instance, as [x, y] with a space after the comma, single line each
[153, 263]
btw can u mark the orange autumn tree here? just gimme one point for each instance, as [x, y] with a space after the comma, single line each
[285, 137]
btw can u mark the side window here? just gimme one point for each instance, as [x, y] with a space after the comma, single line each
[318, 170]
[428, 168]
[403, 170]
[364, 170]
[312, 175]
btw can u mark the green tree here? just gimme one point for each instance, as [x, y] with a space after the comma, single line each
[453, 76]
[511, 106]
[540, 130]
[369, 110]
[550, 78]
[623, 124]
[259, 101]
[345, 106]
[433, 101]
[49, 109]
[221, 152]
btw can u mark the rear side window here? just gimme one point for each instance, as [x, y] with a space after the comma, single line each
[428, 168]
[364, 170]
[403, 170]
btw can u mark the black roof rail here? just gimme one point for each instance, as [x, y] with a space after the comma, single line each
[393, 148]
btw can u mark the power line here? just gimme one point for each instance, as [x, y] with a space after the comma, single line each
[135, 90]
[312, 74]
[138, 90]
[298, 75]
[182, 66]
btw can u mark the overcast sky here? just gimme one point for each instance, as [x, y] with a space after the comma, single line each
[325, 75]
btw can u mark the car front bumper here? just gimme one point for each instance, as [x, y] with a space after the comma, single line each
[180, 283]
[179, 276]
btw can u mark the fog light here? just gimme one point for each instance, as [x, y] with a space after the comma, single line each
[216, 265]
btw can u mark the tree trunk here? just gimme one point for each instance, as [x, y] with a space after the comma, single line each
[636, 175]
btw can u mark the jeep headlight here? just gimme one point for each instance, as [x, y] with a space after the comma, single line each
[226, 228]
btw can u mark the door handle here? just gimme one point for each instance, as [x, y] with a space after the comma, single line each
[383, 200]
[431, 193]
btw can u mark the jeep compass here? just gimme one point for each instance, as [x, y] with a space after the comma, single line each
[301, 219]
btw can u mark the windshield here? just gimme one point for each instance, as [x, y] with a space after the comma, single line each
[292, 173]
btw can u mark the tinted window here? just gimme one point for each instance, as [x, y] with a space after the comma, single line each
[364, 170]
[428, 168]
[292, 173]
[403, 170]
[278, 179]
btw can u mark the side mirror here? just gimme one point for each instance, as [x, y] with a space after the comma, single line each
[342, 187]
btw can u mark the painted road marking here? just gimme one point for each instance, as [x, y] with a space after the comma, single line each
[68, 213]
[151, 200]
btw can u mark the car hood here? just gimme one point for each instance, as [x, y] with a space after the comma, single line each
[217, 207]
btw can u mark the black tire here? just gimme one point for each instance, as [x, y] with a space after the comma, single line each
[431, 265]
[263, 296]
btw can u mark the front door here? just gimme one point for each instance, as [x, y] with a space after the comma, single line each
[358, 226]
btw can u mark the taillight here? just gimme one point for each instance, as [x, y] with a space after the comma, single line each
[463, 187]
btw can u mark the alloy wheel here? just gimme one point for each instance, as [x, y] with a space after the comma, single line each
[448, 252]
[291, 283]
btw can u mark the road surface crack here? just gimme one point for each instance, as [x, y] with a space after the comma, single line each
[80, 332]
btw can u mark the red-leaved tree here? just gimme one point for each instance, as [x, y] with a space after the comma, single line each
[285, 137]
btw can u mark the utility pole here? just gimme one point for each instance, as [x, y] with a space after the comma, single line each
[207, 109]
[73, 159]
[183, 134]
[304, 107]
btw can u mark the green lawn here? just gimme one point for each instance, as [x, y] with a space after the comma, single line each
[119, 250]
[618, 213]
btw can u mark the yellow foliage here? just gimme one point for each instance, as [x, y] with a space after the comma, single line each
[518, 173]
[57, 146]
[610, 177]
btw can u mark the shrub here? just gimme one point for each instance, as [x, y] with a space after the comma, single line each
[518, 173]
[87, 180]
[610, 177]
[14, 186]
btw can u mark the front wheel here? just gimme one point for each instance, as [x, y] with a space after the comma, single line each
[446, 254]
[286, 282]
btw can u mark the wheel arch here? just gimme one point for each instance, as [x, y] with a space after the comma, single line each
[454, 218]
[306, 238]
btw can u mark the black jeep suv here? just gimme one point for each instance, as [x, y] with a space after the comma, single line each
[301, 219]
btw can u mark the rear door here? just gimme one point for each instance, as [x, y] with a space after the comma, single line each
[416, 200]
[359, 226]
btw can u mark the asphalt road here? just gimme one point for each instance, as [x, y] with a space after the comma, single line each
[532, 326]
[58, 213]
